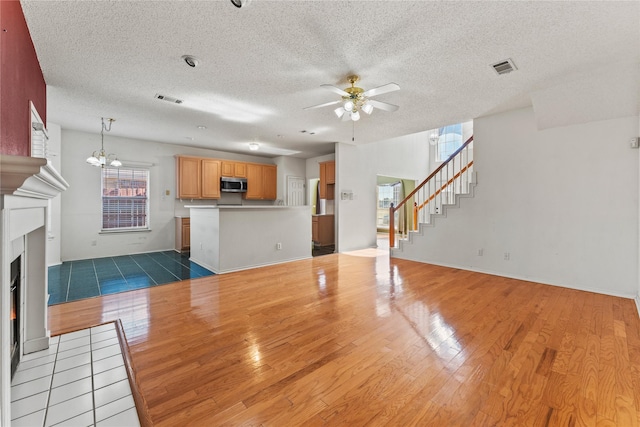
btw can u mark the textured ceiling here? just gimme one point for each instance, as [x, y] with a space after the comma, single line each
[261, 65]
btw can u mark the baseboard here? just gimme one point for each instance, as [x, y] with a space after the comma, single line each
[535, 280]
[249, 267]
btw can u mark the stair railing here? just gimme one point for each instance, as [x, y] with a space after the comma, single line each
[439, 188]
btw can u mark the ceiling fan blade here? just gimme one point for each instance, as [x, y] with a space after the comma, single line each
[326, 104]
[337, 90]
[389, 87]
[383, 105]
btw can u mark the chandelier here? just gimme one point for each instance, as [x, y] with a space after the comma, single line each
[100, 158]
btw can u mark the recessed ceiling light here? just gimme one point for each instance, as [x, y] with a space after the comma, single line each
[190, 138]
[202, 127]
[254, 146]
[191, 61]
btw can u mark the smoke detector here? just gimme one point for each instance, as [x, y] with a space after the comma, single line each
[504, 67]
[191, 61]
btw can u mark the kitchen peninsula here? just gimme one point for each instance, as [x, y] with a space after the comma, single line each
[232, 238]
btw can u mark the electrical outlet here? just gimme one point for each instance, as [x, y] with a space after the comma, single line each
[94, 243]
[507, 256]
[279, 246]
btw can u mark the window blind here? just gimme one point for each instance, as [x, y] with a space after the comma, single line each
[124, 198]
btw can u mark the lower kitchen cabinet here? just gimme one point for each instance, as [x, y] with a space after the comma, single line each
[322, 230]
[183, 234]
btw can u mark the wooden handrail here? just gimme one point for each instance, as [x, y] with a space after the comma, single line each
[438, 169]
[433, 196]
[393, 209]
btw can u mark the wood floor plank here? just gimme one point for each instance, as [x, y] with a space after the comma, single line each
[362, 340]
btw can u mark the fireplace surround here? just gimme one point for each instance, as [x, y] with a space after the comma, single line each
[26, 186]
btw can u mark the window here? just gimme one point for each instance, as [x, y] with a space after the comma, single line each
[39, 137]
[449, 140]
[387, 194]
[125, 202]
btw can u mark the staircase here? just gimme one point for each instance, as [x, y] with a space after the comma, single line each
[442, 190]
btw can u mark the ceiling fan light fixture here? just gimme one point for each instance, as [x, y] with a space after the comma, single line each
[348, 105]
[367, 108]
[240, 3]
[355, 116]
[339, 112]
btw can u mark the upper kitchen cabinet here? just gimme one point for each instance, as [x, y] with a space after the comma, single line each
[270, 182]
[188, 177]
[327, 179]
[210, 179]
[331, 172]
[197, 178]
[234, 169]
[261, 182]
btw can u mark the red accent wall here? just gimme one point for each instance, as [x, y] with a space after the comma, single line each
[21, 81]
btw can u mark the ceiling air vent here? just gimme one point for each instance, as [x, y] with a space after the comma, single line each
[504, 67]
[168, 98]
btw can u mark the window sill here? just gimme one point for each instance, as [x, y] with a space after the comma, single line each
[125, 230]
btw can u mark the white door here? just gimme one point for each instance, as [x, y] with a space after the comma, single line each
[295, 191]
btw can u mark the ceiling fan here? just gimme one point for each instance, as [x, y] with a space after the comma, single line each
[355, 99]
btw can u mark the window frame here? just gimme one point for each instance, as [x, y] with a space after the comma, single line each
[103, 198]
[443, 139]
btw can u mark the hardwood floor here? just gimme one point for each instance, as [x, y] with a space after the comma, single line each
[361, 340]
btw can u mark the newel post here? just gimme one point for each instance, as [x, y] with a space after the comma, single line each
[392, 227]
[415, 216]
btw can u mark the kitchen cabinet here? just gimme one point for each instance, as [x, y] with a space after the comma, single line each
[188, 177]
[183, 234]
[234, 169]
[322, 230]
[270, 182]
[210, 179]
[331, 172]
[327, 180]
[262, 182]
[197, 178]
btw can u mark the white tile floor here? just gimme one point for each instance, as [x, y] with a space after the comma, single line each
[80, 380]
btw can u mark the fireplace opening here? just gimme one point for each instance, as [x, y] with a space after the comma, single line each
[15, 314]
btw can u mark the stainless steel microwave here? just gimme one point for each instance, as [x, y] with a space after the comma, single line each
[233, 185]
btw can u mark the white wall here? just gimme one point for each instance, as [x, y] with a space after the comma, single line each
[238, 238]
[81, 203]
[356, 215]
[638, 294]
[312, 166]
[562, 202]
[288, 166]
[405, 157]
[357, 167]
[55, 205]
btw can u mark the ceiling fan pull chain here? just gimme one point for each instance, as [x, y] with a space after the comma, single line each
[353, 131]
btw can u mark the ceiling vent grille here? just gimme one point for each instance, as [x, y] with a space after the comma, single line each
[504, 67]
[168, 98]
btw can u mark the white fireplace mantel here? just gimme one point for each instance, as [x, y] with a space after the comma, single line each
[30, 177]
[27, 184]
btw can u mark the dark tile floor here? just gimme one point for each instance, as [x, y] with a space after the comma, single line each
[74, 280]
